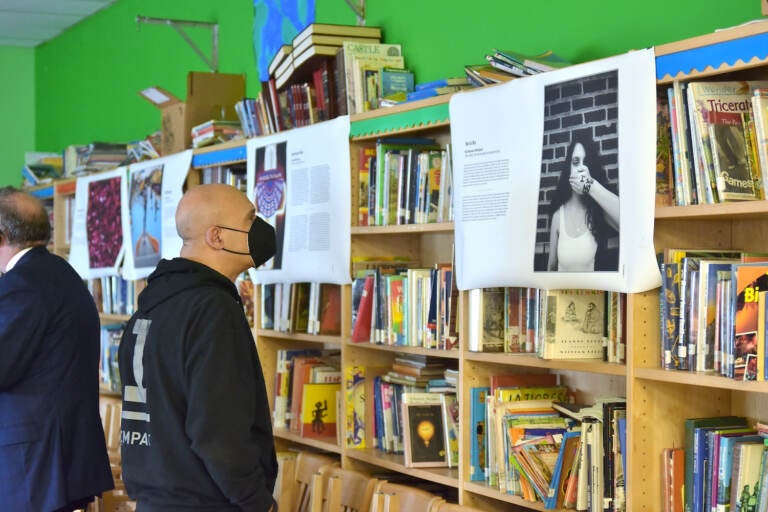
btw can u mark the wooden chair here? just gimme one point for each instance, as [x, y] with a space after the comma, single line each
[116, 501]
[447, 506]
[307, 464]
[390, 497]
[342, 490]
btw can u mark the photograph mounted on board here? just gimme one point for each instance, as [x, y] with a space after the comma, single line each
[270, 194]
[578, 209]
[146, 215]
[104, 222]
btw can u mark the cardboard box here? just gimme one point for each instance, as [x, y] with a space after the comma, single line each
[209, 96]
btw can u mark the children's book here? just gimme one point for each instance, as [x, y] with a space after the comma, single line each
[574, 321]
[318, 410]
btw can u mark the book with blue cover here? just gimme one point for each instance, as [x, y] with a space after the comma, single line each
[478, 444]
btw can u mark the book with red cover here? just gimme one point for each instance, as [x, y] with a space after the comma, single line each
[361, 333]
[330, 309]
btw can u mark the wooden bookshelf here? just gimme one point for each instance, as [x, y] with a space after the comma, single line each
[659, 400]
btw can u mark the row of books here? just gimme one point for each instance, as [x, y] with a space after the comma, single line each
[712, 312]
[307, 392]
[109, 371]
[312, 308]
[404, 181]
[723, 466]
[400, 306]
[114, 294]
[229, 175]
[553, 324]
[713, 141]
[273, 111]
[528, 442]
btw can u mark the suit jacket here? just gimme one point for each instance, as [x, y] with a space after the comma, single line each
[52, 448]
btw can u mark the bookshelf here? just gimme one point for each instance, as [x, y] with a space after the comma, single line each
[659, 401]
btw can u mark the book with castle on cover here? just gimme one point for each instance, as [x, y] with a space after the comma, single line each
[574, 321]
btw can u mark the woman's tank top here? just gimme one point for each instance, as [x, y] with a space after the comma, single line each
[575, 254]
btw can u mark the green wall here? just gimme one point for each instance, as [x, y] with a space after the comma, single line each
[86, 81]
[17, 111]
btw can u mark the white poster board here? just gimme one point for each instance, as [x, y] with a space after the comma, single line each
[97, 227]
[512, 145]
[154, 190]
[300, 182]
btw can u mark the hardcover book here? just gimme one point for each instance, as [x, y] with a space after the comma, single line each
[748, 280]
[359, 56]
[318, 410]
[708, 101]
[574, 321]
[423, 430]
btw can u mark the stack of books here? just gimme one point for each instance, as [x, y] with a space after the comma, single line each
[40, 168]
[215, 131]
[506, 65]
[317, 42]
[519, 64]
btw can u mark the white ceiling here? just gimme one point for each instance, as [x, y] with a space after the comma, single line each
[31, 22]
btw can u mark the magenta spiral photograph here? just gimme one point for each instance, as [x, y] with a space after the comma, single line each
[104, 222]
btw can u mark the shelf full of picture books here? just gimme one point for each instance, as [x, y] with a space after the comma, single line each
[699, 391]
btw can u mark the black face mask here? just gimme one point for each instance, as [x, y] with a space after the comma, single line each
[261, 241]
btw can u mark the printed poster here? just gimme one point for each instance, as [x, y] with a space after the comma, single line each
[153, 193]
[554, 178]
[97, 224]
[299, 181]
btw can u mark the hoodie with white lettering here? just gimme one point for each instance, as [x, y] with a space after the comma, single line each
[195, 432]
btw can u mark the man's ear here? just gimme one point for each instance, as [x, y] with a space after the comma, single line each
[213, 237]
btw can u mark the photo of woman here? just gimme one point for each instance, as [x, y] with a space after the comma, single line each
[577, 226]
[584, 211]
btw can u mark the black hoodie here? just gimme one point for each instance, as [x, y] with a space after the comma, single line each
[195, 432]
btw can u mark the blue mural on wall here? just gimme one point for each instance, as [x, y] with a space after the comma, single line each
[275, 23]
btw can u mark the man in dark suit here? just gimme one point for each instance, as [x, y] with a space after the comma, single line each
[53, 456]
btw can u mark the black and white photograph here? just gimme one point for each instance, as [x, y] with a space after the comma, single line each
[578, 210]
[554, 179]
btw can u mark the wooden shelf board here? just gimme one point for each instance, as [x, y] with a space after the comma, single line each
[444, 476]
[435, 227]
[314, 338]
[444, 354]
[325, 444]
[587, 365]
[700, 379]
[742, 209]
[491, 492]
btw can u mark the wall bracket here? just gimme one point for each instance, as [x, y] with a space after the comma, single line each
[359, 9]
[180, 25]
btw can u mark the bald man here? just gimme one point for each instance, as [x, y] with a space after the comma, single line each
[196, 431]
[52, 450]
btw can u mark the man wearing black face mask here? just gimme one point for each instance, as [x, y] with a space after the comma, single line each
[196, 431]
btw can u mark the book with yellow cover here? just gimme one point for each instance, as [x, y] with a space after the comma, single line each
[318, 410]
